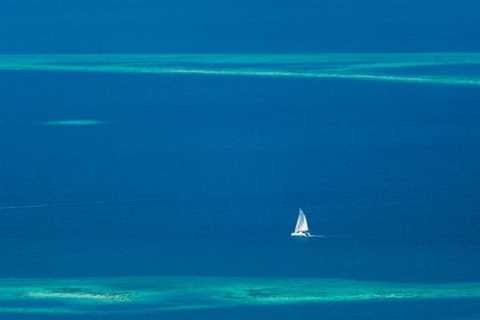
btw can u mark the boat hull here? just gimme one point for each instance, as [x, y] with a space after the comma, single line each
[300, 234]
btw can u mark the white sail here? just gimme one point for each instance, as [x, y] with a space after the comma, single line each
[302, 225]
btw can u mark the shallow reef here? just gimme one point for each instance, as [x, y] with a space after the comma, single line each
[149, 294]
[75, 122]
[431, 68]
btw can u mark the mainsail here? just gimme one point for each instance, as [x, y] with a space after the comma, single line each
[302, 225]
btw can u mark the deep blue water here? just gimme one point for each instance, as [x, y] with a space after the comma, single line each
[231, 26]
[204, 175]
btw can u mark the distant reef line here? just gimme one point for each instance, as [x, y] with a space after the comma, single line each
[423, 68]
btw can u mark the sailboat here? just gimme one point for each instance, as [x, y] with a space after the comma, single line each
[301, 228]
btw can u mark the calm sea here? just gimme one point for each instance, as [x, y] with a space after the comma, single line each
[198, 175]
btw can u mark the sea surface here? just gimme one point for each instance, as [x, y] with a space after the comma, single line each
[133, 176]
[154, 156]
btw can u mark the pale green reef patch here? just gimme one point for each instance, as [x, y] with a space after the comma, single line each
[77, 123]
[150, 294]
[360, 67]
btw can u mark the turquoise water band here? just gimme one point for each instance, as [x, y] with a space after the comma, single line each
[146, 294]
[388, 67]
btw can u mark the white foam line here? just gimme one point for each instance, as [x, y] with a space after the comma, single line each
[393, 78]
[27, 206]
[325, 74]
[78, 204]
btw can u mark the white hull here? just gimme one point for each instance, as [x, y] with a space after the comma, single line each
[300, 234]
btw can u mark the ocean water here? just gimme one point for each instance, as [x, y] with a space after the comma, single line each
[153, 158]
[168, 175]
